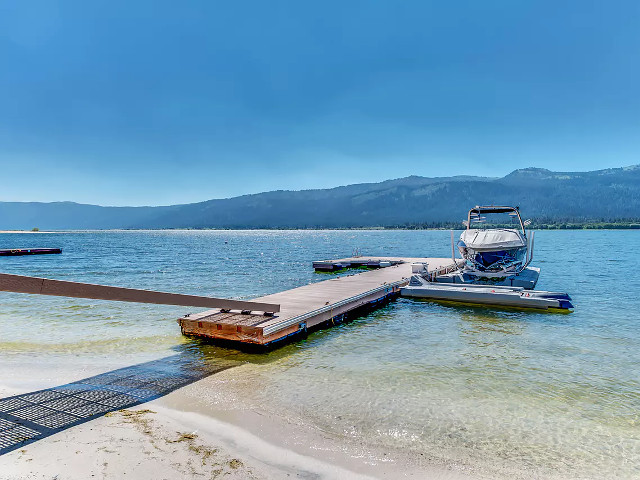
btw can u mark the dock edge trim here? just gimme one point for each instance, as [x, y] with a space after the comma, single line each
[271, 329]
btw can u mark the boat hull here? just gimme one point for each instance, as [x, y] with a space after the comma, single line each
[493, 251]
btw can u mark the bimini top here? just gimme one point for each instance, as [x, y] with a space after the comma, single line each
[476, 212]
[493, 209]
[492, 240]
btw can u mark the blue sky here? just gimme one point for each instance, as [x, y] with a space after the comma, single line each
[149, 103]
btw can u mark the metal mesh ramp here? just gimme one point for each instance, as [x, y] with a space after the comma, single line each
[31, 416]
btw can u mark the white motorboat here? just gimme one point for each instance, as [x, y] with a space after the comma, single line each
[494, 269]
[495, 256]
[494, 250]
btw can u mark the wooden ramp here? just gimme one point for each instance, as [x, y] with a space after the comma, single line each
[310, 306]
[63, 288]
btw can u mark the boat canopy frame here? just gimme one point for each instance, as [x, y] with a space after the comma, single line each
[479, 210]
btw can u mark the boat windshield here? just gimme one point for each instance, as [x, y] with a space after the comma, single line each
[482, 220]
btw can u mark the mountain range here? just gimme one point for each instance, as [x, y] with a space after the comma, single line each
[545, 196]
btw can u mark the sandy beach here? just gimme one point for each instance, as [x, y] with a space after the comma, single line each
[129, 443]
[150, 442]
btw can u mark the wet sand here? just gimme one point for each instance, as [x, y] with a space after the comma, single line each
[176, 436]
[155, 442]
[213, 427]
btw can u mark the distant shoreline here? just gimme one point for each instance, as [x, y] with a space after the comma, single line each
[29, 231]
[452, 226]
[543, 226]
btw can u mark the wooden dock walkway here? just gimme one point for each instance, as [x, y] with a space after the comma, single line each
[311, 306]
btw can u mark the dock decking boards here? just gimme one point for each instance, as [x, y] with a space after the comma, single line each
[309, 306]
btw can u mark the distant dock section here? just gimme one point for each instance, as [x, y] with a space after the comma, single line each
[360, 262]
[312, 306]
[14, 252]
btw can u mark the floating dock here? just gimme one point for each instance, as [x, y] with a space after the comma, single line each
[493, 295]
[357, 262]
[14, 252]
[312, 306]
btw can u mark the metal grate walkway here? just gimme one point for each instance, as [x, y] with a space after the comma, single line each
[32, 416]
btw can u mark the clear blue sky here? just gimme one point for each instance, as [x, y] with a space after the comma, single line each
[136, 102]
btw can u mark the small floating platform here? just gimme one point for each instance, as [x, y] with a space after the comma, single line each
[311, 306]
[357, 262]
[13, 252]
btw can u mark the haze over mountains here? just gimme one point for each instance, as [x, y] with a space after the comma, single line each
[602, 195]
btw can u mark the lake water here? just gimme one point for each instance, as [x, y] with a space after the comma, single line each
[520, 391]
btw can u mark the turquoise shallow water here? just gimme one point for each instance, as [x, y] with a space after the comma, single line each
[517, 391]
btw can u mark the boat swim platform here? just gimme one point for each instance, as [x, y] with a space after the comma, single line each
[311, 306]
